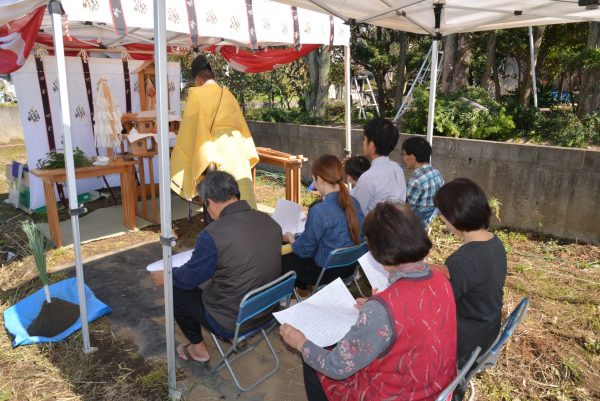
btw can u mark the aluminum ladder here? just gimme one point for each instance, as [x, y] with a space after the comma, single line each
[423, 74]
[366, 97]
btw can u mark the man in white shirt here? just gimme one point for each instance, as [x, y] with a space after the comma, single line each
[384, 181]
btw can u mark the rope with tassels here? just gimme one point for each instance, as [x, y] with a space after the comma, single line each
[40, 52]
[126, 56]
[84, 55]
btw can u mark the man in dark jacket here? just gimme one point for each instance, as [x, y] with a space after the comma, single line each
[239, 252]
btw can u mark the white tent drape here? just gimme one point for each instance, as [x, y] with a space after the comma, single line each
[213, 22]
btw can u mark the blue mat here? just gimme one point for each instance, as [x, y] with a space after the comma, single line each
[19, 317]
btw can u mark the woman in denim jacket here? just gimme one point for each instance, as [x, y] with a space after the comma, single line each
[333, 223]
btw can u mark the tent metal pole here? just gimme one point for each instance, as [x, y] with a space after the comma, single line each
[432, 90]
[532, 62]
[347, 101]
[166, 234]
[55, 10]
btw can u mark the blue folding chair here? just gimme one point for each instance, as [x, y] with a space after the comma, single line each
[490, 357]
[253, 304]
[426, 216]
[343, 257]
[446, 394]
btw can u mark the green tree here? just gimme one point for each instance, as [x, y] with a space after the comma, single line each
[371, 48]
[319, 62]
[288, 83]
[589, 99]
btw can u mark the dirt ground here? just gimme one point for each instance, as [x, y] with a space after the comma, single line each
[553, 356]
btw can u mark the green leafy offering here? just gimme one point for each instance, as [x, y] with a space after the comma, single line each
[56, 159]
[38, 247]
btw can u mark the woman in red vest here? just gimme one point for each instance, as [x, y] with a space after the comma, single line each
[403, 345]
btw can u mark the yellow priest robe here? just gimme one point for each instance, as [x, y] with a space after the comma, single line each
[229, 144]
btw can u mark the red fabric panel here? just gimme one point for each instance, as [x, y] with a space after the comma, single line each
[68, 41]
[17, 38]
[262, 60]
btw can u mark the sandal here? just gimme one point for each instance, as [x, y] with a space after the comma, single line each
[183, 349]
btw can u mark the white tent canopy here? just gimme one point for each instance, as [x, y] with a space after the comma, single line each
[456, 15]
[442, 17]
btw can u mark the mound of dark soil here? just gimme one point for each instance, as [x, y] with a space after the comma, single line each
[54, 318]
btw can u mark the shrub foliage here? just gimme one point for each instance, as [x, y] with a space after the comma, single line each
[470, 113]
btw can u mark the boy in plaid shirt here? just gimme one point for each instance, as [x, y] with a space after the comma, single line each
[425, 181]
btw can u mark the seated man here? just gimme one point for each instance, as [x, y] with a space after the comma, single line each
[238, 252]
[425, 181]
[384, 181]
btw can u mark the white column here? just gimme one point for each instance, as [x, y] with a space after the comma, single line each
[55, 10]
[166, 232]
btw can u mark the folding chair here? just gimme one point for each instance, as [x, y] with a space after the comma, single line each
[490, 357]
[343, 257]
[427, 222]
[254, 303]
[426, 216]
[446, 394]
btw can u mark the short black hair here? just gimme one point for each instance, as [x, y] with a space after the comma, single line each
[395, 234]
[464, 204]
[201, 66]
[383, 133]
[355, 166]
[419, 147]
[218, 186]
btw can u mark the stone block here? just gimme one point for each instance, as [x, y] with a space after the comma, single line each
[443, 146]
[560, 158]
[514, 153]
[469, 149]
[591, 161]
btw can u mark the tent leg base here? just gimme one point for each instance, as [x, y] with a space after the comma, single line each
[90, 350]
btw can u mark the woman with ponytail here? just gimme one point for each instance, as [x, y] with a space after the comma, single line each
[333, 223]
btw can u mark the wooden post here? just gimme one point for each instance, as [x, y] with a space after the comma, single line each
[292, 166]
[52, 213]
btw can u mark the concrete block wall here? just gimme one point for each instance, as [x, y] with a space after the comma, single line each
[544, 189]
[10, 124]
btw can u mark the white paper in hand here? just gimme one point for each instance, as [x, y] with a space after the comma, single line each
[290, 216]
[378, 277]
[325, 317]
[179, 259]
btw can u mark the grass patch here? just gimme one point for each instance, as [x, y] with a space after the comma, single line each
[154, 380]
[592, 345]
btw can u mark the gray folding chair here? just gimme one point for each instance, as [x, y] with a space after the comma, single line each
[490, 357]
[253, 304]
[446, 394]
[343, 257]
